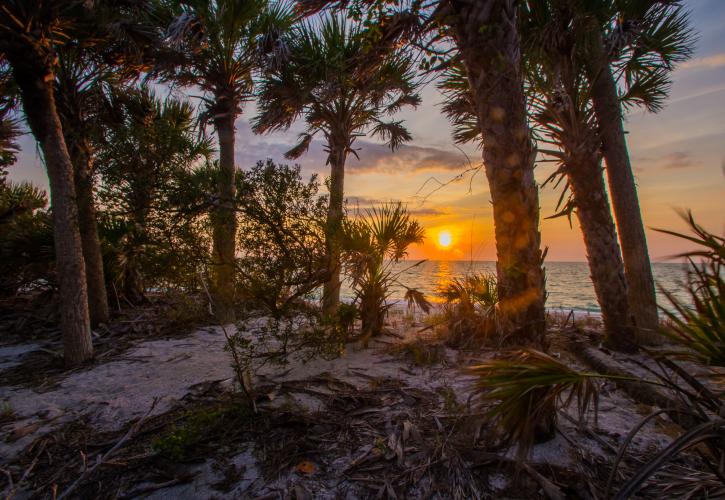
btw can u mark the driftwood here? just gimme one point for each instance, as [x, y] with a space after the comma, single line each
[642, 392]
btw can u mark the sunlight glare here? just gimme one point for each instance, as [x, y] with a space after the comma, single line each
[445, 239]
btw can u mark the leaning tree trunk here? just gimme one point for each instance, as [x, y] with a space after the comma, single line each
[331, 289]
[488, 41]
[95, 279]
[603, 254]
[638, 271]
[36, 88]
[224, 217]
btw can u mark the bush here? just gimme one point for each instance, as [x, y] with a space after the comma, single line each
[26, 239]
[469, 310]
[281, 236]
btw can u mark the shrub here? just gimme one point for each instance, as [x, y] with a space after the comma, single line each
[469, 310]
[372, 244]
[281, 236]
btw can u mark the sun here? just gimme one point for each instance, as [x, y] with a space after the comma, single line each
[445, 239]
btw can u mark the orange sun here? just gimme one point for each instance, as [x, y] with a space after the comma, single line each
[445, 239]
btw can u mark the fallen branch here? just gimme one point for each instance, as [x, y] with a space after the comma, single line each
[101, 459]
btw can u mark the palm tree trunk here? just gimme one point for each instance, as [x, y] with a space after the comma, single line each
[638, 270]
[95, 279]
[603, 254]
[224, 221]
[331, 289]
[487, 37]
[36, 88]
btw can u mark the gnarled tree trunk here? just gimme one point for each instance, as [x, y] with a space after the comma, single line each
[603, 254]
[331, 290]
[487, 37]
[36, 88]
[224, 217]
[638, 270]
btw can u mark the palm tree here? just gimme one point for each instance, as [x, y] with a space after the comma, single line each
[559, 96]
[75, 94]
[30, 31]
[85, 70]
[485, 35]
[218, 45]
[372, 244]
[487, 39]
[637, 44]
[344, 89]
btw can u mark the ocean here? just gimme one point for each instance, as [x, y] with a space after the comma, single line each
[568, 284]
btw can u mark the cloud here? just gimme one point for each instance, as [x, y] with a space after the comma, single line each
[377, 158]
[365, 202]
[670, 161]
[371, 157]
[713, 61]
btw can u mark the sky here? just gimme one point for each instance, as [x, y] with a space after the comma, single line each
[678, 156]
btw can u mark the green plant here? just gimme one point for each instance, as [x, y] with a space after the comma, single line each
[469, 310]
[522, 391]
[699, 327]
[199, 427]
[527, 388]
[372, 244]
[281, 237]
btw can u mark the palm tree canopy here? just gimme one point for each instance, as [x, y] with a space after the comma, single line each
[645, 39]
[333, 79]
[219, 43]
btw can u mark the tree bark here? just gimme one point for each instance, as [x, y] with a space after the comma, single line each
[488, 40]
[331, 288]
[95, 278]
[603, 254]
[36, 88]
[224, 220]
[622, 187]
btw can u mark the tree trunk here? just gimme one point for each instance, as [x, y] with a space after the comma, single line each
[487, 37]
[36, 88]
[638, 271]
[603, 254]
[225, 221]
[95, 279]
[331, 289]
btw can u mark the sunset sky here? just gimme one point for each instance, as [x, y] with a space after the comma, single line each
[678, 157]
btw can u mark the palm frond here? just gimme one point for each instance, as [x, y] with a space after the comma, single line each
[521, 392]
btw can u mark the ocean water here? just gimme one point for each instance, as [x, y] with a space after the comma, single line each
[568, 284]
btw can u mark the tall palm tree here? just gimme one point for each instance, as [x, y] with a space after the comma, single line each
[218, 46]
[344, 89]
[631, 46]
[486, 36]
[86, 69]
[75, 99]
[485, 33]
[565, 120]
[30, 31]
[559, 96]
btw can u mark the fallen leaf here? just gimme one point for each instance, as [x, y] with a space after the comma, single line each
[306, 467]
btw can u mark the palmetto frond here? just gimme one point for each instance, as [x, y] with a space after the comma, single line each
[699, 328]
[522, 390]
[340, 85]
[219, 43]
[393, 133]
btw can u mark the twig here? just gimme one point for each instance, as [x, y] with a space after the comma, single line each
[104, 458]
